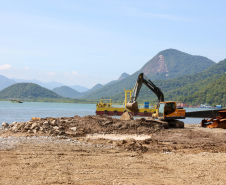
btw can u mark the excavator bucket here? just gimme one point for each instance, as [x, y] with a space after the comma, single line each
[133, 107]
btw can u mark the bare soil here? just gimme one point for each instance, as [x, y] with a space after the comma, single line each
[192, 155]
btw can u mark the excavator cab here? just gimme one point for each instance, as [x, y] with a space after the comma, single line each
[169, 110]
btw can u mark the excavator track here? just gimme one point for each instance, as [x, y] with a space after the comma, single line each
[167, 124]
[176, 124]
[164, 123]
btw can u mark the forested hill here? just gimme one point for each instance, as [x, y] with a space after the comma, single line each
[166, 64]
[214, 93]
[188, 88]
[172, 63]
[27, 91]
[67, 92]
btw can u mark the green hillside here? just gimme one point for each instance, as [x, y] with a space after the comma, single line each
[175, 64]
[185, 85]
[181, 87]
[67, 92]
[27, 91]
[213, 94]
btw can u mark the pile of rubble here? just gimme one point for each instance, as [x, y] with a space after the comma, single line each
[131, 145]
[80, 126]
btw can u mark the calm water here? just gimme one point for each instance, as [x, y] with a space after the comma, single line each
[10, 112]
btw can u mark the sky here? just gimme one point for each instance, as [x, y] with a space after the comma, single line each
[87, 42]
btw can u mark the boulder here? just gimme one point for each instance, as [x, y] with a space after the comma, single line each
[53, 123]
[56, 128]
[73, 128]
[21, 126]
[15, 127]
[126, 116]
[46, 124]
[27, 126]
[5, 125]
[34, 125]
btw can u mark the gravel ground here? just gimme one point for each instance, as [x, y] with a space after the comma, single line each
[7, 143]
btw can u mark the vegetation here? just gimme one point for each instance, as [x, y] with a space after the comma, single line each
[213, 94]
[28, 91]
[67, 92]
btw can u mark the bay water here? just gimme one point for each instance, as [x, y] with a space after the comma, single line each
[21, 112]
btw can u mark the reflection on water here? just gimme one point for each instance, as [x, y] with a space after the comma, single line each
[10, 112]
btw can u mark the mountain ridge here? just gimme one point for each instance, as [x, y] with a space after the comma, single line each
[161, 73]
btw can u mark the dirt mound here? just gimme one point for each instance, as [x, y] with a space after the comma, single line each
[126, 116]
[80, 126]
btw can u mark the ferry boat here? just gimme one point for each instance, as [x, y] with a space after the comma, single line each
[105, 107]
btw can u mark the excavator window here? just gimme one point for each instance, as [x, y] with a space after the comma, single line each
[170, 108]
[161, 109]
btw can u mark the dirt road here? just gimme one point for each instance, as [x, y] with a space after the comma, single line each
[192, 155]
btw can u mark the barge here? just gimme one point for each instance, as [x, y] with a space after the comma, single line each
[105, 107]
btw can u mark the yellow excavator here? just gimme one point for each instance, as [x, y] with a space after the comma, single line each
[166, 113]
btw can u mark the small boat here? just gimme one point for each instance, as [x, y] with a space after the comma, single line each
[16, 101]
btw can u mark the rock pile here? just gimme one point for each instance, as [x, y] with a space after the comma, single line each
[80, 126]
[131, 145]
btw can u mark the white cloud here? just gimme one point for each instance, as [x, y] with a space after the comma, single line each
[5, 67]
[26, 68]
[51, 74]
[74, 73]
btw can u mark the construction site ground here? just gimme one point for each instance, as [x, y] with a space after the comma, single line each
[192, 155]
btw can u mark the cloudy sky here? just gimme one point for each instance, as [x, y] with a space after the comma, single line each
[85, 42]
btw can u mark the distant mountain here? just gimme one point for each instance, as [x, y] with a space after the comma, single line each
[124, 75]
[51, 85]
[48, 85]
[79, 88]
[165, 65]
[94, 88]
[111, 82]
[172, 63]
[5, 82]
[27, 91]
[67, 92]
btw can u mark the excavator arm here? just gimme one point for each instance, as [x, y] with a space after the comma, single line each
[132, 105]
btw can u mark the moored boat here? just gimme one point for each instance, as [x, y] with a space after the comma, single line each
[16, 101]
[105, 107]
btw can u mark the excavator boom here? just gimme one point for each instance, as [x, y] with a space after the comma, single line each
[132, 105]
